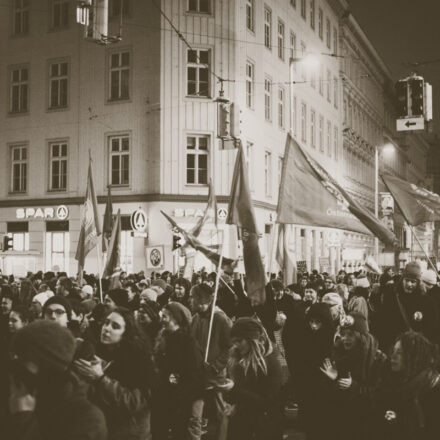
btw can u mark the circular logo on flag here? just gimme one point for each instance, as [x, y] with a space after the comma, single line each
[155, 257]
[418, 316]
[62, 212]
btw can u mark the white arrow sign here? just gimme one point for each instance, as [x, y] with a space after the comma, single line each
[409, 124]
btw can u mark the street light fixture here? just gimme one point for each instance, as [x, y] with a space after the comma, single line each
[386, 148]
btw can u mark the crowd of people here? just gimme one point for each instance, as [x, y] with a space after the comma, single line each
[156, 357]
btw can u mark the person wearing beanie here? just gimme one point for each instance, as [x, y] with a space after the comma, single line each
[56, 402]
[121, 377]
[358, 301]
[352, 373]
[58, 309]
[336, 304]
[148, 319]
[177, 403]
[148, 295]
[406, 306]
[432, 287]
[86, 292]
[255, 384]
[44, 293]
[201, 302]
[116, 298]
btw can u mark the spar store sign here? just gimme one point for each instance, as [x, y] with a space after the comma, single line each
[60, 212]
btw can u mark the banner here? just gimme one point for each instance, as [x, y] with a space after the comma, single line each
[310, 196]
[285, 254]
[107, 224]
[114, 248]
[418, 205]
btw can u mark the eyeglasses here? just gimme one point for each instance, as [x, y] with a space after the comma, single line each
[56, 312]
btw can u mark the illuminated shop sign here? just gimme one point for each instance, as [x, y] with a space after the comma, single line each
[60, 212]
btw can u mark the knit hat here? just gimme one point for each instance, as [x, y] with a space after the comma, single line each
[160, 283]
[119, 297]
[332, 299]
[202, 293]
[151, 294]
[429, 277]
[330, 278]
[355, 321]
[62, 301]
[412, 271]
[247, 328]
[88, 290]
[150, 308]
[180, 314]
[46, 343]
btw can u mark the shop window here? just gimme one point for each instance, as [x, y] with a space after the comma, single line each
[19, 232]
[57, 247]
[126, 244]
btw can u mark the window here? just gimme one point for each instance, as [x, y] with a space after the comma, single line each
[250, 15]
[281, 107]
[313, 79]
[250, 164]
[59, 14]
[335, 41]
[268, 99]
[119, 160]
[321, 133]
[57, 246]
[335, 92]
[58, 85]
[19, 90]
[200, 6]
[294, 113]
[293, 48]
[327, 32]
[58, 166]
[329, 138]
[268, 173]
[320, 23]
[303, 9]
[18, 168]
[19, 231]
[281, 40]
[329, 85]
[197, 71]
[321, 80]
[119, 75]
[303, 122]
[336, 142]
[250, 84]
[293, 3]
[268, 28]
[312, 14]
[313, 128]
[303, 67]
[114, 8]
[197, 160]
[280, 170]
[20, 17]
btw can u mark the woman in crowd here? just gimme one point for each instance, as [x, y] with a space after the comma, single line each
[177, 398]
[19, 317]
[148, 319]
[353, 372]
[256, 384]
[407, 400]
[121, 377]
[182, 288]
[358, 301]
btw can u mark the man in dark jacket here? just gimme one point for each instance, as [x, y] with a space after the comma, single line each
[47, 400]
[406, 306]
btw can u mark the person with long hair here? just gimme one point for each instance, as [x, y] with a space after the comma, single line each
[121, 377]
[256, 384]
[353, 371]
[407, 399]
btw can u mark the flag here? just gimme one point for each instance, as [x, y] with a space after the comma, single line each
[210, 211]
[114, 247]
[228, 264]
[418, 205]
[108, 220]
[90, 230]
[241, 213]
[285, 255]
[310, 196]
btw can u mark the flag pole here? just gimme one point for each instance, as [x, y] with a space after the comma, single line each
[423, 249]
[211, 321]
[98, 248]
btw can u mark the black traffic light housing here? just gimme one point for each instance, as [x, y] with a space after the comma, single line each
[402, 98]
[417, 91]
[8, 243]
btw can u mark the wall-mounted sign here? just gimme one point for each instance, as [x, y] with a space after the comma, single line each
[154, 257]
[61, 213]
[191, 212]
[138, 220]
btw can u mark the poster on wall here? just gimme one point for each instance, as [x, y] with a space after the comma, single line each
[155, 257]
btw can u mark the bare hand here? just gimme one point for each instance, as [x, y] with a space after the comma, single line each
[328, 369]
[345, 384]
[226, 386]
[20, 400]
[92, 370]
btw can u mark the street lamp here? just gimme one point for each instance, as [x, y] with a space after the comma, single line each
[387, 148]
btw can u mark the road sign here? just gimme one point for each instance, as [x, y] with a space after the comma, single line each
[138, 220]
[409, 124]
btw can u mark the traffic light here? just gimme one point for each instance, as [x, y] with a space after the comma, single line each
[224, 120]
[402, 98]
[8, 243]
[417, 90]
[235, 120]
[176, 240]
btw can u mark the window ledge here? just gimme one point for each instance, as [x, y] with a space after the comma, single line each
[55, 191]
[119, 101]
[201, 14]
[17, 193]
[58, 109]
[16, 114]
[202, 98]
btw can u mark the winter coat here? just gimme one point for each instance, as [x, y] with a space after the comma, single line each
[62, 412]
[420, 315]
[358, 304]
[258, 408]
[407, 411]
[123, 393]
